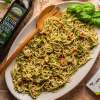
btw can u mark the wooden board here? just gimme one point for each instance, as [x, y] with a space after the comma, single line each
[79, 93]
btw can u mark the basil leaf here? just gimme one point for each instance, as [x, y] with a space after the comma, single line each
[74, 8]
[96, 21]
[96, 14]
[84, 16]
[89, 8]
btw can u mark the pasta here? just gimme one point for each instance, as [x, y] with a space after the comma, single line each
[53, 56]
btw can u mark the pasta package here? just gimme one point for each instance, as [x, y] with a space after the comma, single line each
[94, 83]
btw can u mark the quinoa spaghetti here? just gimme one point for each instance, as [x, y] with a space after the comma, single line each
[54, 55]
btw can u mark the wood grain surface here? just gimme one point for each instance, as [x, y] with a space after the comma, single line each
[81, 92]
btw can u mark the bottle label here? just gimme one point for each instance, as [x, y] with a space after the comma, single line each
[9, 23]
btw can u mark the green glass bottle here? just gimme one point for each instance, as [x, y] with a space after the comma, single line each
[14, 16]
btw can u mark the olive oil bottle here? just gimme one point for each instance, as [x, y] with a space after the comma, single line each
[9, 24]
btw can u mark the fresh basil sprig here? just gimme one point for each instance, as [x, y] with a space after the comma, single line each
[85, 12]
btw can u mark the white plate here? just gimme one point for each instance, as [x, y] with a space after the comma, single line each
[74, 81]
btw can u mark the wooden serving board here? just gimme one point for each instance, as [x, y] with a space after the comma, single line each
[79, 93]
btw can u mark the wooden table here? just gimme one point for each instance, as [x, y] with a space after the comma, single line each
[79, 93]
